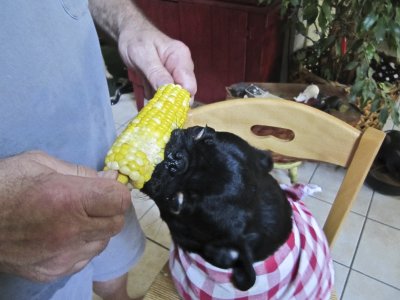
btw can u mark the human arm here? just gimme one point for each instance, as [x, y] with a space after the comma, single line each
[143, 47]
[55, 216]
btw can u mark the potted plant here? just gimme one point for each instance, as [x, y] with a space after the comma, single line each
[345, 40]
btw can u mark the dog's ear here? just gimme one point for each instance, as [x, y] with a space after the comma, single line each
[266, 160]
[238, 258]
[243, 275]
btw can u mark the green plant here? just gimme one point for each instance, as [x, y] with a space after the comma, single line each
[349, 37]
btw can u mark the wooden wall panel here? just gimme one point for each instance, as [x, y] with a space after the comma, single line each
[217, 39]
[163, 14]
[230, 41]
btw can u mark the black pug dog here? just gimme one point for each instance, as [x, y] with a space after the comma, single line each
[216, 195]
[389, 153]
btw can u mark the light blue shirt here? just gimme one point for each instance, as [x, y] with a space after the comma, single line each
[54, 97]
[53, 91]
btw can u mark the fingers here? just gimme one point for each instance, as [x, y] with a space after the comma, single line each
[180, 64]
[102, 228]
[153, 69]
[161, 61]
[187, 80]
[60, 166]
[110, 174]
[105, 197]
[68, 262]
[74, 170]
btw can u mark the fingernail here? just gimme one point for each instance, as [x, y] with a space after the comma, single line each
[108, 174]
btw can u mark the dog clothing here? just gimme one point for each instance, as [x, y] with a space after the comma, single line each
[301, 269]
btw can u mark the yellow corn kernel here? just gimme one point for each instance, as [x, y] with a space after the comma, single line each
[140, 147]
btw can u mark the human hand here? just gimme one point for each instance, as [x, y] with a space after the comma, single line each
[158, 58]
[55, 216]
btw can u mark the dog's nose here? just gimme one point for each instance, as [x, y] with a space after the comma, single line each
[177, 163]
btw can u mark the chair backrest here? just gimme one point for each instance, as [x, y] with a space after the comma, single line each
[317, 136]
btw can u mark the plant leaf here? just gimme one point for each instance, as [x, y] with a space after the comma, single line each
[301, 28]
[351, 66]
[310, 13]
[380, 30]
[369, 21]
[383, 115]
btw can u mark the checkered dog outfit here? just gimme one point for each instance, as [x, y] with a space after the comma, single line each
[301, 269]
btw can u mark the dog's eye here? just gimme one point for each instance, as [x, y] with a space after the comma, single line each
[208, 141]
[176, 203]
[193, 196]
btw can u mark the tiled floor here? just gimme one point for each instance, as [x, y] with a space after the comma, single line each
[366, 255]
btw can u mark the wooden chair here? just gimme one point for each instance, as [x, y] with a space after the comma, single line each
[317, 136]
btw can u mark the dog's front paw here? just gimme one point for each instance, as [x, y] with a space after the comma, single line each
[222, 257]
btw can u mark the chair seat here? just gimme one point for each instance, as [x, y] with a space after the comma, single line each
[162, 287]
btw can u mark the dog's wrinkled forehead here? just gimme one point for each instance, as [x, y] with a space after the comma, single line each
[200, 164]
[191, 137]
[195, 162]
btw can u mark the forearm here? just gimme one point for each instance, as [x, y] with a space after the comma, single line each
[115, 15]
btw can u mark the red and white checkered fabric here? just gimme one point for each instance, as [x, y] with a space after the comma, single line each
[300, 269]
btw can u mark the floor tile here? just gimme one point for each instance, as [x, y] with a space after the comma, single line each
[306, 170]
[121, 128]
[363, 200]
[346, 244]
[95, 297]
[143, 274]
[328, 177]
[341, 273]
[385, 209]
[361, 287]
[281, 176]
[378, 253]
[124, 110]
[319, 209]
[141, 202]
[389, 124]
[154, 228]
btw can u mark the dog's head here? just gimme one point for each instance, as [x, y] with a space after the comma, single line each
[218, 199]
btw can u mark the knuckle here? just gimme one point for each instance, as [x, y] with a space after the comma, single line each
[59, 266]
[100, 246]
[35, 153]
[103, 245]
[182, 46]
[126, 201]
[42, 278]
[117, 225]
[122, 199]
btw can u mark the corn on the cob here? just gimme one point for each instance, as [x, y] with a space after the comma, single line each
[140, 147]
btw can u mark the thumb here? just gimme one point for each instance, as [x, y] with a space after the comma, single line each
[61, 166]
[74, 170]
[111, 174]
